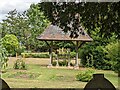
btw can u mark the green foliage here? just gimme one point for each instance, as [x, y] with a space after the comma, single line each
[26, 26]
[61, 63]
[35, 55]
[91, 15]
[65, 44]
[21, 49]
[10, 42]
[113, 53]
[38, 23]
[72, 54]
[20, 64]
[17, 24]
[85, 76]
[3, 57]
[94, 56]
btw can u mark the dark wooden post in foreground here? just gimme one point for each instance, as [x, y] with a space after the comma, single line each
[99, 82]
[3, 85]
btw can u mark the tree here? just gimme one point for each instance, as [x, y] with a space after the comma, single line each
[26, 26]
[70, 15]
[94, 51]
[16, 24]
[37, 22]
[10, 43]
[113, 53]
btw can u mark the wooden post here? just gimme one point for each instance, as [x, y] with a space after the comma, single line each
[16, 55]
[76, 61]
[51, 49]
[57, 61]
[68, 57]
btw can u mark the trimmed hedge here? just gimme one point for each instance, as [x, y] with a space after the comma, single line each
[35, 55]
[43, 55]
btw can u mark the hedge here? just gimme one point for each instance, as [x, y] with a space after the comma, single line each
[35, 55]
[43, 55]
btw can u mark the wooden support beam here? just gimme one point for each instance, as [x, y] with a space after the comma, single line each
[57, 61]
[76, 47]
[48, 44]
[68, 57]
[81, 44]
[73, 43]
[50, 52]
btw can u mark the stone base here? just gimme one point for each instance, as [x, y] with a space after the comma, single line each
[70, 67]
[57, 66]
[76, 67]
[49, 66]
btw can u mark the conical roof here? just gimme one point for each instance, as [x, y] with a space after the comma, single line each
[54, 33]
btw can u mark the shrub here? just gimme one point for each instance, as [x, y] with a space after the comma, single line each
[113, 53]
[93, 55]
[62, 63]
[85, 76]
[10, 42]
[21, 49]
[20, 64]
[72, 54]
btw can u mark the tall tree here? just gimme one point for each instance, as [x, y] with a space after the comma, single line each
[26, 26]
[16, 24]
[37, 22]
[92, 15]
[113, 53]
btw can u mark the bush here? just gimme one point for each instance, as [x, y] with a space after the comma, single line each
[85, 76]
[113, 53]
[63, 63]
[10, 42]
[20, 64]
[93, 55]
[20, 50]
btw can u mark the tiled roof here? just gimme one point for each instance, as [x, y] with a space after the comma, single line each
[54, 33]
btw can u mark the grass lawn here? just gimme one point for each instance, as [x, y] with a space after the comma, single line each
[39, 76]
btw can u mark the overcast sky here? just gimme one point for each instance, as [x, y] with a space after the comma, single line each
[20, 5]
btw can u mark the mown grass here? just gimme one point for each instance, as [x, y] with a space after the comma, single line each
[38, 76]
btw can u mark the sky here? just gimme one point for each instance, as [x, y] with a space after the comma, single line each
[9, 5]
